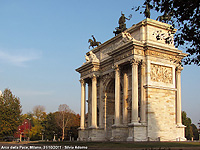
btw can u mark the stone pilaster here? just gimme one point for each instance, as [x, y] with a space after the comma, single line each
[134, 119]
[82, 123]
[143, 101]
[178, 96]
[125, 104]
[94, 102]
[117, 96]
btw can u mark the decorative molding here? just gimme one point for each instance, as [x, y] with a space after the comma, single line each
[161, 73]
[160, 87]
[125, 55]
[134, 61]
[126, 37]
[106, 68]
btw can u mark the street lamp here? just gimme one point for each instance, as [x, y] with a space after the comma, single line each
[20, 136]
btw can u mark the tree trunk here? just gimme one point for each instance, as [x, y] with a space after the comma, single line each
[63, 135]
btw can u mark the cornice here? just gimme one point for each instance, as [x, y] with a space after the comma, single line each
[87, 66]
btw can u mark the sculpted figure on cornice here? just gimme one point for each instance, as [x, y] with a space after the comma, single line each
[91, 58]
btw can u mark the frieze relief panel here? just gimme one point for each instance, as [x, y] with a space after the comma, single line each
[161, 73]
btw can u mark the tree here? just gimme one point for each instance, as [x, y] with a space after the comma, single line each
[195, 132]
[38, 120]
[191, 129]
[63, 118]
[10, 113]
[51, 127]
[185, 17]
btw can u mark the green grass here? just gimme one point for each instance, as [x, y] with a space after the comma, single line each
[119, 145]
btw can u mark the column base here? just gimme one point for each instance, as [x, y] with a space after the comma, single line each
[134, 124]
[93, 127]
[119, 133]
[129, 139]
[180, 125]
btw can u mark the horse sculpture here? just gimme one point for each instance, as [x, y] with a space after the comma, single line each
[93, 42]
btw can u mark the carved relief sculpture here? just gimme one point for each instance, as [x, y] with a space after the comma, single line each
[161, 73]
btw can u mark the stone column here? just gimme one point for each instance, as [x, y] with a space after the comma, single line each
[125, 104]
[94, 102]
[89, 103]
[117, 96]
[101, 125]
[82, 123]
[143, 102]
[134, 92]
[178, 97]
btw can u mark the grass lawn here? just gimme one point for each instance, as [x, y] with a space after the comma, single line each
[120, 145]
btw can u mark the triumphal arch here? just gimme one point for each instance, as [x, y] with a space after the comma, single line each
[131, 87]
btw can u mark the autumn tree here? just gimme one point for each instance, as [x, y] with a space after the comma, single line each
[10, 113]
[185, 16]
[63, 118]
[39, 116]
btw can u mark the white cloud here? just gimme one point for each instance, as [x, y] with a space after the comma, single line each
[19, 57]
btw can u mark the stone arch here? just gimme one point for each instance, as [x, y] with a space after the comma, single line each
[109, 91]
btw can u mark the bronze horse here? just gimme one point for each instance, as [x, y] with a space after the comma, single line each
[93, 42]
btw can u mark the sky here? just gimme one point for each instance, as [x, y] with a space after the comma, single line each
[42, 42]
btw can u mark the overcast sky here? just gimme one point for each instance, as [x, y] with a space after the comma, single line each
[42, 42]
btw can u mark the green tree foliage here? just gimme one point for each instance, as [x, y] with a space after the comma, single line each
[191, 129]
[195, 132]
[38, 118]
[185, 16]
[10, 113]
[51, 127]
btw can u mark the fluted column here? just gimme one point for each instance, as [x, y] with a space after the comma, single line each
[178, 97]
[125, 104]
[94, 102]
[134, 91]
[117, 95]
[143, 102]
[82, 123]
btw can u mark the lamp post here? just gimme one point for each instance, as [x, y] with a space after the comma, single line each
[20, 136]
[25, 129]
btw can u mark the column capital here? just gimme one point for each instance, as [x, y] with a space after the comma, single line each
[142, 63]
[94, 76]
[82, 81]
[134, 61]
[116, 67]
[179, 68]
